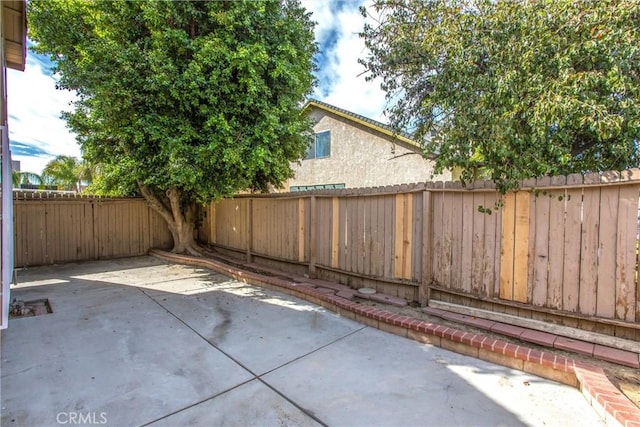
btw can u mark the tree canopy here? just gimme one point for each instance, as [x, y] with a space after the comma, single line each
[187, 101]
[512, 89]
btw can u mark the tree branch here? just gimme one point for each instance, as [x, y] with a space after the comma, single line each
[155, 203]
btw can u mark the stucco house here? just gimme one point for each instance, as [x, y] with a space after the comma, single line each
[352, 151]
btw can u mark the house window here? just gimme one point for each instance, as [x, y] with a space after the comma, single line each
[320, 147]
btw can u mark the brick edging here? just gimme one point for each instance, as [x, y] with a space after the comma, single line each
[609, 402]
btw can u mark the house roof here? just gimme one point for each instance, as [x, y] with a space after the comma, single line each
[365, 121]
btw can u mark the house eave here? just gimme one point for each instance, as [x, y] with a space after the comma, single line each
[14, 28]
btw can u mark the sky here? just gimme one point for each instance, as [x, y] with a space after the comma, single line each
[38, 134]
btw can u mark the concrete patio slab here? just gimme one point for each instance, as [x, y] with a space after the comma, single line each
[126, 348]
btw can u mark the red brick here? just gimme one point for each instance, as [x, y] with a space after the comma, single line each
[561, 363]
[510, 350]
[425, 327]
[498, 346]
[629, 408]
[408, 322]
[464, 337]
[480, 323]
[607, 390]
[401, 321]
[576, 346]
[625, 419]
[523, 353]
[479, 340]
[615, 355]
[535, 356]
[607, 400]
[538, 337]
[457, 336]
[509, 330]
[441, 330]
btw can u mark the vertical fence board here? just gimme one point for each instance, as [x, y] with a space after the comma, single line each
[507, 247]
[478, 245]
[605, 306]
[456, 241]
[437, 199]
[467, 242]
[447, 224]
[335, 232]
[572, 245]
[362, 237]
[352, 234]
[427, 247]
[301, 229]
[342, 234]
[521, 246]
[625, 303]
[497, 262]
[376, 267]
[589, 251]
[556, 248]
[416, 252]
[491, 247]
[400, 203]
[407, 237]
[541, 247]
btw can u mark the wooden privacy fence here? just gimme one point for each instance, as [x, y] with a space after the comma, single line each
[564, 246]
[50, 229]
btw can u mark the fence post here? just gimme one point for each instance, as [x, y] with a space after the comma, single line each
[249, 229]
[427, 239]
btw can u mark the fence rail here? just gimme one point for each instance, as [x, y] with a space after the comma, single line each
[565, 245]
[54, 229]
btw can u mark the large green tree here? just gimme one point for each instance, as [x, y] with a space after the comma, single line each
[188, 101]
[512, 89]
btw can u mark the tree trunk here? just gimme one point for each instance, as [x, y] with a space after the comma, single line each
[181, 221]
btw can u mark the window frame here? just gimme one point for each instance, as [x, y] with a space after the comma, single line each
[312, 150]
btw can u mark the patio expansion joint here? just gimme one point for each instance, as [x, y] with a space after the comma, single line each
[246, 368]
[543, 363]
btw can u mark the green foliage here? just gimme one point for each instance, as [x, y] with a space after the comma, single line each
[201, 97]
[513, 89]
[63, 172]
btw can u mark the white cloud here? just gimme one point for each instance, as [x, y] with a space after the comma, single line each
[34, 106]
[349, 89]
